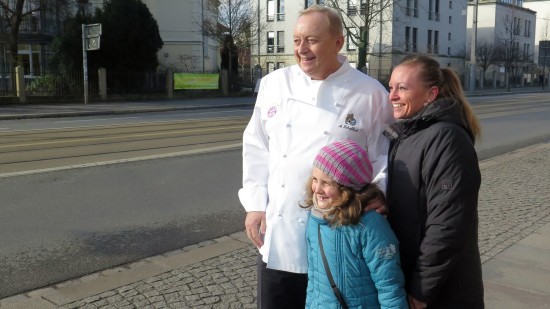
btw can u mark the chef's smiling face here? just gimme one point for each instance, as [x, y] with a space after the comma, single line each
[315, 46]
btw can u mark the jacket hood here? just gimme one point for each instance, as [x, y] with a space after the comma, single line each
[442, 110]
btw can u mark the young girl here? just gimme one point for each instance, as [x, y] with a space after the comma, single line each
[361, 251]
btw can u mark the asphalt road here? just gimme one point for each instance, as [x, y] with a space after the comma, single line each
[66, 223]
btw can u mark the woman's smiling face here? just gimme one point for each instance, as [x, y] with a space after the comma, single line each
[408, 94]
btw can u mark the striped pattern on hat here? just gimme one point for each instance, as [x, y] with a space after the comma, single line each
[345, 162]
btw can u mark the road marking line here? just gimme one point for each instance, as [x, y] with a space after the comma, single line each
[123, 135]
[136, 159]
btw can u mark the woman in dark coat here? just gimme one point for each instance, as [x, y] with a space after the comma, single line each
[433, 186]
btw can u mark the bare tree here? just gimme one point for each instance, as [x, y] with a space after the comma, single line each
[29, 15]
[507, 50]
[363, 15]
[485, 57]
[235, 28]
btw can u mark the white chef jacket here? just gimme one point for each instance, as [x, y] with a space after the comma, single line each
[294, 117]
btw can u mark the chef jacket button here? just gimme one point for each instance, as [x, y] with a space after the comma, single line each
[283, 185]
[288, 125]
[284, 155]
[326, 132]
[301, 220]
[280, 215]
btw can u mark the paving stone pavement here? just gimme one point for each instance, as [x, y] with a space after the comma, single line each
[514, 202]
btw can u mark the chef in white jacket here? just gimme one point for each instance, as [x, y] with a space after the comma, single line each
[300, 109]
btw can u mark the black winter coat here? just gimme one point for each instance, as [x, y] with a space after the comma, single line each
[432, 192]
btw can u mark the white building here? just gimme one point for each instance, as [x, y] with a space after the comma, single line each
[435, 27]
[542, 32]
[505, 23]
[185, 47]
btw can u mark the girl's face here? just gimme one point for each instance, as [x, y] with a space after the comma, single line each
[325, 190]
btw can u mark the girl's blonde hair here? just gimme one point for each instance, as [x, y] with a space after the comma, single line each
[349, 208]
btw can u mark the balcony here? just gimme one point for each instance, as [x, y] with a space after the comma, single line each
[270, 49]
[280, 48]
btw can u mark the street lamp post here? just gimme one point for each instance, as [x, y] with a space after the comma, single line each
[472, 86]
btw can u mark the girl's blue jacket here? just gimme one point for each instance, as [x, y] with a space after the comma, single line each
[364, 261]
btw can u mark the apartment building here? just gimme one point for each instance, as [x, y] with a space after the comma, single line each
[542, 31]
[402, 27]
[185, 47]
[38, 28]
[508, 23]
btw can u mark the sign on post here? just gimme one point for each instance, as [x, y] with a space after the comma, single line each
[90, 41]
[92, 36]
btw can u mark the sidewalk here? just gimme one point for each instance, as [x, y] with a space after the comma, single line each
[48, 110]
[514, 210]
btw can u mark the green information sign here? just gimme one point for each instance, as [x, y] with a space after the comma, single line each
[195, 81]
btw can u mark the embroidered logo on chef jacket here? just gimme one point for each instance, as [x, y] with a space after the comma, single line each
[272, 111]
[349, 123]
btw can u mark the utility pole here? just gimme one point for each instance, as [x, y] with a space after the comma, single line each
[472, 86]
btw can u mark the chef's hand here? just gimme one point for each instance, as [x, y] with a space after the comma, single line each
[255, 227]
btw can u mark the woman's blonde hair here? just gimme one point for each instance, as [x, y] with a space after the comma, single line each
[448, 83]
[349, 208]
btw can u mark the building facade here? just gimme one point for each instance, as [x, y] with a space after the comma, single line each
[395, 29]
[40, 23]
[185, 47]
[542, 31]
[509, 29]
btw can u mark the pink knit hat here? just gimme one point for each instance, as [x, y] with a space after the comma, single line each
[345, 162]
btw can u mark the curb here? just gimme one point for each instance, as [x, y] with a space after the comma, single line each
[97, 283]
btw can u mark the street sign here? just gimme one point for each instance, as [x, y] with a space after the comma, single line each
[92, 43]
[92, 30]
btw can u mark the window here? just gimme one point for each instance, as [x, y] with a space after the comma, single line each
[280, 65]
[429, 50]
[436, 42]
[280, 10]
[29, 58]
[430, 9]
[270, 10]
[415, 30]
[270, 42]
[436, 17]
[450, 19]
[450, 4]
[363, 7]
[407, 38]
[448, 51]
[412, 8]
[352, 7]
[351, 35]
[280, 41]
[309, 3]
[270, 67]
[449, 36]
